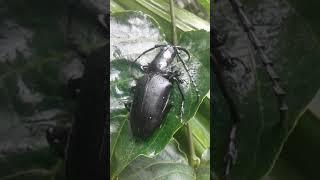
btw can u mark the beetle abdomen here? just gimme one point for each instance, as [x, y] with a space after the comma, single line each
[149, 104]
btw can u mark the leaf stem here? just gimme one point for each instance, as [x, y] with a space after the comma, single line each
[173, 23]
[193, 159]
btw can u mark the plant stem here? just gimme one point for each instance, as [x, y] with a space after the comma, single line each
[193, 159]
[173, 22]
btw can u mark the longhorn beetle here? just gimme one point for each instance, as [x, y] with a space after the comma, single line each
[152, 92]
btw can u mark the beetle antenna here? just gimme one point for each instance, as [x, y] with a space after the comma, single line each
[191, 79]
[184, 50]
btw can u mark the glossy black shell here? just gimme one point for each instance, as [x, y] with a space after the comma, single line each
[163, 59]
[149, 104]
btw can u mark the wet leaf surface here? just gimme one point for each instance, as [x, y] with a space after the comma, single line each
[185, 21]
[170, 163]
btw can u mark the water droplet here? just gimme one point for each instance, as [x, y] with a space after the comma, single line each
[152, 154]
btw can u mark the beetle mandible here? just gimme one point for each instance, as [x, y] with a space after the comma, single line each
[152, 92]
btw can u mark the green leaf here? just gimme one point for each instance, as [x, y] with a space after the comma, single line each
[200, 127]
[169, 164]
[206, 5]
[200, 124]
[115, 7]
[284, 170]
[132, 33]
[302, 147]
[185, 21]
[295, 52]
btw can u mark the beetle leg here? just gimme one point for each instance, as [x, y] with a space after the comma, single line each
[191, 79]
[173, 74]
[178, 81]
[168, 107]
[231, 156]
[223, 56]
[228, 61]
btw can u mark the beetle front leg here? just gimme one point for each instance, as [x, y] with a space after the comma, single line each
[128, 104]
[178, 82]
[190, 77]
[228, 61]
[182, 102]
[174, 75]
[231, 156]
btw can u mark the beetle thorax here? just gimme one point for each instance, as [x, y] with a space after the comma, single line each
[163, 59]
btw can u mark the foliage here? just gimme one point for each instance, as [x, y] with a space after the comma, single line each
[129, 30]
[294, 51]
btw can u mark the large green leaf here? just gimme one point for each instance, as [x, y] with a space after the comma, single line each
[206, 5]
[132, 33]
[294, 50]
[284, 170]
[169, 164]
[160, 10]
[302, 146]
[200, 128]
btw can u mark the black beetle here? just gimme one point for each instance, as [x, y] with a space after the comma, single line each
[152, 92]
